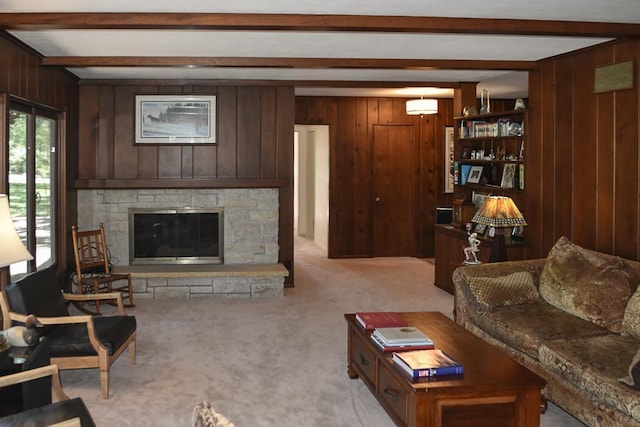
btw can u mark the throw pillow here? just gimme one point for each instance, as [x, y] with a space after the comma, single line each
[513, 289]
[633, 379]
[631, 321]
[595, 287]
[205, 416]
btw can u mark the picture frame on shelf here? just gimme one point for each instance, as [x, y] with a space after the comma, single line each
[475, 174]
[479, 198]
[448, 159]
[480, 229]
[508, 175]
[175, 119]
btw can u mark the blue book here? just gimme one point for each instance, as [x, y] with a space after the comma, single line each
[465, 173]
[427, 363]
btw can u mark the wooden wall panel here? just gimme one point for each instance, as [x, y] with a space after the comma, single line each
[590, 140]
[584, 133]
[255, 141]
[351, 122]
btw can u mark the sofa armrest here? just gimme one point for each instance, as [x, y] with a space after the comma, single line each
[466, 305]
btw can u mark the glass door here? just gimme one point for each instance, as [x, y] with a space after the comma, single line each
[33, 138]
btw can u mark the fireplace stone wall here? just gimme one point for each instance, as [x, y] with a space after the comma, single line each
[250, 235]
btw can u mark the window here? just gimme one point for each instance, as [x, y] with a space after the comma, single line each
[33, 140]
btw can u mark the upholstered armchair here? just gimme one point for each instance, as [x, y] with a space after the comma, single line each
[65, 411]
[76, 342]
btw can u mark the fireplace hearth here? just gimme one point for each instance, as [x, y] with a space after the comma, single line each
[175, 236]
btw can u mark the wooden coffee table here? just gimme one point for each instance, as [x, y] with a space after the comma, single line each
[494, 391]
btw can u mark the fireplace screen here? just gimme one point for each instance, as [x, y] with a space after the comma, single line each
[175, 236]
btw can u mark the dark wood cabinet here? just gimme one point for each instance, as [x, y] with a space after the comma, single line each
[450, 243]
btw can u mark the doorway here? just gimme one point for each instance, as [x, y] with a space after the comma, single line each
[394, 191]
[311, 183]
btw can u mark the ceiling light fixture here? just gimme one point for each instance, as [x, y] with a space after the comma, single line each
[421, 106]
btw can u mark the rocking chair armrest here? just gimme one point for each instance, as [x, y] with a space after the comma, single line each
[94, 297]
[32, 374]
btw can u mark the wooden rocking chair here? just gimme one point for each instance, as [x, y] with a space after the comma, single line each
[94, 272]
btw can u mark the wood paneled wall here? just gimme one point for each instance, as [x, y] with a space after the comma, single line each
[582, 167]
[255, 145]
[23, 76]
[351, 122]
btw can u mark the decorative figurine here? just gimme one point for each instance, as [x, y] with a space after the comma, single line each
[471, 251]
[22, 336]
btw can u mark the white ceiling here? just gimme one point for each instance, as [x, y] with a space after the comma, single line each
[57, 42]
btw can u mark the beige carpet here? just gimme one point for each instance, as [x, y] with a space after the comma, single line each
[273, 362]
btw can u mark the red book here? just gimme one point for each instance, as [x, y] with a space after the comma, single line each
[380, 319]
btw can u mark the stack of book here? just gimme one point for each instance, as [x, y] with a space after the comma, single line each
[401, 338]
[427, 363]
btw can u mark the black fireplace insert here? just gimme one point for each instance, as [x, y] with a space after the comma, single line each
[175, 236]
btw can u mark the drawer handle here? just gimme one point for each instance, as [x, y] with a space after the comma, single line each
[392, 394]
[363, 360]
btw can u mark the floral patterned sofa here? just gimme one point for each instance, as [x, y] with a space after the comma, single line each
[573, 318]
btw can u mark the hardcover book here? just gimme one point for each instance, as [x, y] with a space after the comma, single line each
[379, 319]
[403, 347]
[427, 363]
[403, 335]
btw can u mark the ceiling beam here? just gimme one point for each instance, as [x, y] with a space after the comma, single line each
[299, 22]
[376, 84]
[265, 62]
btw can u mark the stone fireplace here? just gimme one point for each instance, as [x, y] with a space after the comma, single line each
[250, 245]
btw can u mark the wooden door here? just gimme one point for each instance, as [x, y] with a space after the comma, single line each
[394, 190]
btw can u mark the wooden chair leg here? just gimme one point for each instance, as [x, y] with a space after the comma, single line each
[104, 381]
[132, 352]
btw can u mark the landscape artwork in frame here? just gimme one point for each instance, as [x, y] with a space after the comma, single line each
[169, 119]
[448, 159]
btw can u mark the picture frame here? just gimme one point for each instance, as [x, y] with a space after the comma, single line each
[175, 119]
[478, 199]
[448, 159]
[475, 174]
[480, 229]
[508, 175]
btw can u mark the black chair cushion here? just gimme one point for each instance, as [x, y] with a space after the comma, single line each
[73, 339]
[51, 414]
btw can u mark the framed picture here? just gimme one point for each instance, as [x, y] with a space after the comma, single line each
[175, 119]
[508, 175]
[480, 229]
[474, 175]
[448, 159]
[478, 199]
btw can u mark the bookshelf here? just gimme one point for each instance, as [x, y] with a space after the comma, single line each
[489, 154]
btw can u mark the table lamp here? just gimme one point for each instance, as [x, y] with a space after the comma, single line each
[12, 249]
[499, 212]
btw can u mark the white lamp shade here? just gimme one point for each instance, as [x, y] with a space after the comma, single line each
[11, 250]
[422, 106]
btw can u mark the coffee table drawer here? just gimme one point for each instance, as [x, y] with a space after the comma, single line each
[393, 392]
[363, 357]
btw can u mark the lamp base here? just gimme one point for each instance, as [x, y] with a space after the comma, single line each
[498, 247]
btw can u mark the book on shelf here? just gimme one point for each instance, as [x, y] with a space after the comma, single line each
[465, 169]
[427, 363]
[403, 347]
[401, 336]
[379, 319]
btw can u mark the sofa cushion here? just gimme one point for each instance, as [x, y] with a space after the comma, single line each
[512, 289]
[631, 320]
[525, 326]
[594, 364]
[587, 284]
